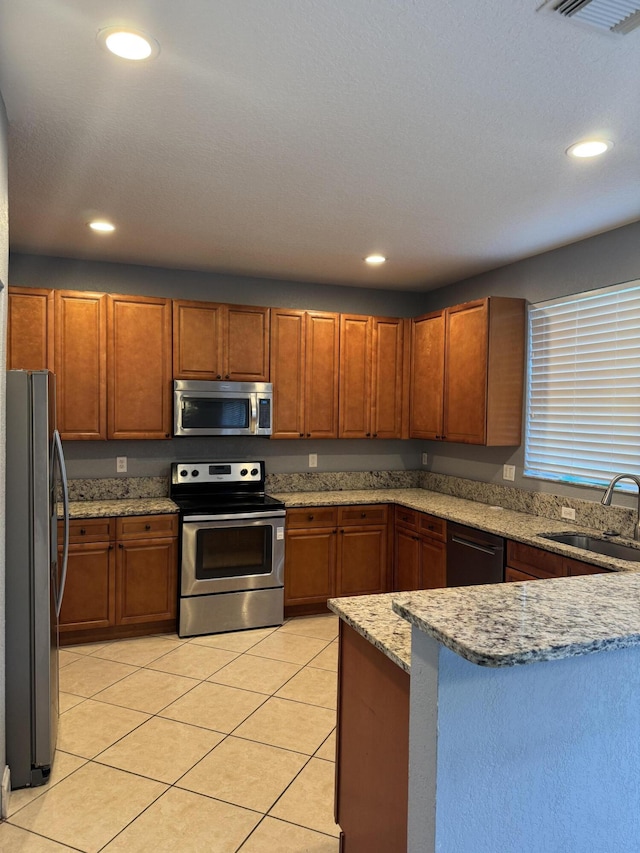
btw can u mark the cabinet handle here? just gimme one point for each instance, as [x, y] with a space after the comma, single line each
[82, 531]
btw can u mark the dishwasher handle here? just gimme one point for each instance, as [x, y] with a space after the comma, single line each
[486, 549]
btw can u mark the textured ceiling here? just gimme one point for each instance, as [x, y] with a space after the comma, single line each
[289, 139]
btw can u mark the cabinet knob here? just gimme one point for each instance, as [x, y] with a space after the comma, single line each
[120, 545]
[147, 527]
[342, 531]
[226, 376]
[310, 518]
[308, 435]
[368, 435]
[218, 376]
[111, 547]
[363, 515]
[82, 531]
[429, 526]
[375, 435]
[301, 435]
[167, 435]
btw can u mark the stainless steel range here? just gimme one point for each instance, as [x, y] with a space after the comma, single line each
[232, 548]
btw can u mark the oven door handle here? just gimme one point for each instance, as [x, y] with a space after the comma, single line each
[235, 516]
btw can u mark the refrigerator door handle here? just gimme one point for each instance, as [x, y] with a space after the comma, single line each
[57, 443]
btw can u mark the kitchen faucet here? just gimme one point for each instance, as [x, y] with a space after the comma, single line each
[606, 498]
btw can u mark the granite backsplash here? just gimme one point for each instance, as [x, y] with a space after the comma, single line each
[588, 513]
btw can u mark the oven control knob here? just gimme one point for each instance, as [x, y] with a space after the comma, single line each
[254, 472]
[243, 472]
[184, 473]
[195, 472]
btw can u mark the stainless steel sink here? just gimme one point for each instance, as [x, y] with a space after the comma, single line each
[600, 546]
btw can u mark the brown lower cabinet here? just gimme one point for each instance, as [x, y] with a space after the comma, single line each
[527, 563]
[420, 550]
[372, 748]
[334, 551]
[121, 578]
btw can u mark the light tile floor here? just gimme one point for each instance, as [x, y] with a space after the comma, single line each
[219, 744]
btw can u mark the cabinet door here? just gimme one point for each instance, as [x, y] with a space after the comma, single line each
[147, 575]
[573, 568]
[197, 340]
[309, 565]
[406, 560]
[433, 564]
[427, 376]
[355, 376]
[89, 593]
[465, 383]
[29, 329]
[362, 560]
[387, 379]
[139, 358]
[321, 375]
[287, 372]
[81, 364]
[246, 343]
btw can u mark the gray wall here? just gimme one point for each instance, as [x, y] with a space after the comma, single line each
[597, 262]
[600, 261]
[4, 264]
[152, 458]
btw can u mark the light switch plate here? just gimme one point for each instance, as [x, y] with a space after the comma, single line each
[509, 472]
[121, 464]
[568, 513]
[313, 460]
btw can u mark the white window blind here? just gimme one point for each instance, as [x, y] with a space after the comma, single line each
[583, 408]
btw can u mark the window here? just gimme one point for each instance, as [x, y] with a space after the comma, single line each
[583, 405]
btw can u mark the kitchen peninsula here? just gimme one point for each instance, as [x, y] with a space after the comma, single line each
[503, 755]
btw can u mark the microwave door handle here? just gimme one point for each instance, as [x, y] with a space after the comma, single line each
[254, 414]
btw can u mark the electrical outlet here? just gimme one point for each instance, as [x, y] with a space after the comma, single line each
[568, 513]
[509, 472]
[121, 464]
[425, 458]
[313, 460]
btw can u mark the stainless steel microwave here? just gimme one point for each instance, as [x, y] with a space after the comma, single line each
[222, 408]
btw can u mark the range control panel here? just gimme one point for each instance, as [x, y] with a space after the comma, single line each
[217, 472]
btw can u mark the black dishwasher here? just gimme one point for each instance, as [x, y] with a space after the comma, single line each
[473, 556]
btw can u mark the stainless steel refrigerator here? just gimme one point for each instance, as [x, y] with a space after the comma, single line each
[34, 575]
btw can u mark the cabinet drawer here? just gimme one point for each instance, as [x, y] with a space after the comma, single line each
[312, 516]
[146, 526]
[511, 575]
[88, 530]
[365, 514]
[407, 517]
[535, 561]
[574, 568]
[435, 528]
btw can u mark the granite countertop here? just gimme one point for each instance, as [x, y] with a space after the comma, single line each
[373, 618]
[518, 623]
[508, 523]
[122, 506]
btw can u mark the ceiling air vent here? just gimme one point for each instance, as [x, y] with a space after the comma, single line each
[617, 16]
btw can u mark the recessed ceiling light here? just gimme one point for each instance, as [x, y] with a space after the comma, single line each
[128, 44]
[374, 260]
[102, 226]
[589, 148]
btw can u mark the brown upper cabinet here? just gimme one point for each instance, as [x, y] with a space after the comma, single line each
[371, 376]
[304, 372]
[81, 364]
[468, 371]
[139, 359]
[215, 341]
[29, 329]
